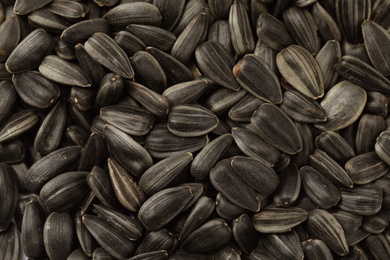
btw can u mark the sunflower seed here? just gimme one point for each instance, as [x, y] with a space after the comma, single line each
[216, 64]
[349, 222]
[379, 13]
[12, 152]
[243, 110]
[376, 103]
[165, 173]
[110, 90]
[4, 73]
[318, 188]
[160, 239]
[68, 9]
[87, 241]
[153, 213]
[58, 235]
[191, 10]
[185, 92]
[315, 249]
[155, 255]
[335, 146]
[9, 243]
[258, 254]
[39, 43]
[92, 68]
[22, 8]
[283, 246]
[133, 13]
[251, 70]
[219, 32]
[125, 187]
[289, 187]
[110, 238]
[224, 99]
[281, 133]
[81, 31]
[127, 151]
[8, 97]
[94, 153]
[77, 254]
[226, 209]
[129, 42]
[376, 246]
[10, 30]
[47, 20]
[101, 254]
[171, 12]
[381, 147]
[227, 252]
[18, 124]
[377, 223]
[8, 195]
[356, 237]
[343, 104]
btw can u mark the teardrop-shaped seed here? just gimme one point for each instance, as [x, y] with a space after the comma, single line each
[220, 9]
[8, 195]
[244, 109]
[216, 64]
[8, 98]
[362, 74]
[226, 209]
[82, 98]
[191, 10]
[258, 175]
[166, 204]
[47, 20]
[101, 253]
[11, 35]
[99, 182]
[125, 187]
[64, 191]
[110, 238]
[377, 223]
[161, 143]
[356, 237]
[335, 146]
[289, 187]
[175, 71]
[191, 120]
[133, 13]
[302, 157]
[107, 52]
[278, 220]
[240, 29]
[127, 151]
[153, 36]
[323, 192]
[205, 160]
[68, 9]
[302, 27]
[10, 243]
[81, 31]
[379, 13]
[363, 200]
[18, 124]
[185, 92]
[129, 42]
[165, 173]
[94, 153]
[161, 239]
[110, 90]
[350, 16]
[78, 254]
[301, 108]
[50, 166]
[131, 120]
[219, 32]
[381, 146]
[201, 210]
[376, 246]
[30, 52]
[92, 68]
[273, 32]
[283, 246]
[12, 152]
[22, 7]
[315, 249]
[376, 103]
[194, 34]
[250, 71]
[277, 128]
[327, 26]
[244, 233]
[84, 237]
[64, 72]
[365, 168]
[58, 233]
[171, 11]
[343, 104]
[330, 169]
[223, 99]
[327, 57]
[349, 222]
[324, 226]
[210, 236]
[301, 70]
[229, 183]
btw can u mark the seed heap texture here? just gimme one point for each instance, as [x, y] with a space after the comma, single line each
[194, 129]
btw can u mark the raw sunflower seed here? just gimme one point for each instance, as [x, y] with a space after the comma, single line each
[349, 222]
[160, 239]
[224, 99]
[379, 13]
[376, 103]
[101, 254]
[68, 9]
[22, 7]
[30, 52]
[185, 92]
[289, 187]
[81, 31]
[92, 68]
[12, 152]
[47, 20]
[129, 42]
[381, 146]
[301, 70]
[84, 237]
[8, 195]
[251, 70]
[171, 11]
[335, 146]
[376, 224]
[110, 90]
[219, 32]
[275, 127]
[376, 246]
[283, 246]
[315, 249]
[77, 254]
[18, 124]
[327, 26]
[356, 237]
[226, 209]
[244, 109]
[8, 97]
[244, 233]
[94, 153]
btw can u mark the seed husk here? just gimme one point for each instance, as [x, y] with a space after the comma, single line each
[376, 246]
[160, 254]
[81, 31]
[378, 13]
[171, 12]
[289, 187]
[22, 8]
[219, 32]
[327, 26]
[185, 92]
[8, 195]
[92, 68]
[18, 124]
[349, 222]
[87, 241]
[8, 97]
[243, 110]
[335, 146]
[11, 31]
[376, 224]
[315, 249]
[283, 246]
[12, 152]
[224, 99]
[94, 153]
[47, 20]
[160, 239]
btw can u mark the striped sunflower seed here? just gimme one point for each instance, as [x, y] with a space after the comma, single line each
[8, 195]
[220, 9]
[165, 173]
[82, 98]
[283, 246]
[81, 31]
[207, 238]
[68, 9]
[87, 241]
[63, 50]
[278, 220]
[159, 254]
[289, 188]
[349, 222]
[94, 153]
[78, 254]
[64, 72]
[275, 127]
[30, 52]
[58, 232]
[18, 124]
[267, 54]
[22, 8]
[226, 209]
[251, 70]
[47, 20]
[343, 104]
[356, 237]
[11, 31]
[129, 42]
[244, 233]
[50, 166]
[219, 32]
[381, 146]
[8, 97]
[315, 249]
[324, 226]
[185, 92]
[10, 243]
[171, 12]
[376, 103]
[373, 35]
[301, 70]
[378, 13]
[335, 146]
[166, 204]
[376, 224]
[227, 252]
[110, 90]
[101, 254]
[224, 99]
[302, 157]
[243, 110]
[93, 69]
[327, 26]
[160, 239]
[376, 246]
[191, 10]
[12, 152]
[125, 187]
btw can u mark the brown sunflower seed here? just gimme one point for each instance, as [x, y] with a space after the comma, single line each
[349, 222]
[133, 13]
[18, 124]
[94, 153]
[315, 249]
[323, 192]
[251, 70]
[207, 238]
[301, 70]
[22, 8]
[160, 239]
[127, 151]
[335, 146]
[283, 246]
[343, 104]
[216, 64]
[289, 187]
[166, 204]
[125, 187]
[363, 200]
[109, 237]
[8, 195]
[58, 235]
[11, 31]
[165, 173]
[229, 183]
[30, 52]
[275, 127]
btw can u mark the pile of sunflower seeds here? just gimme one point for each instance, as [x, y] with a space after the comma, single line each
[194, 129]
